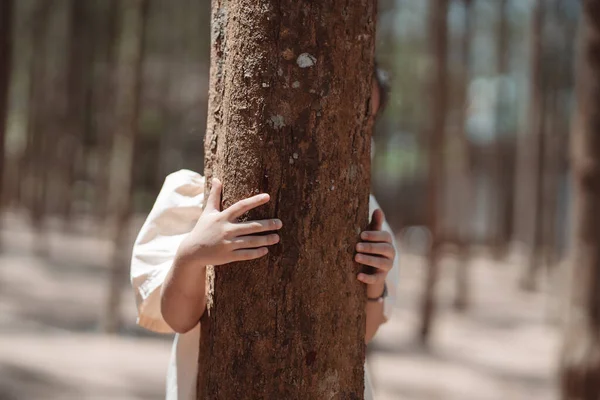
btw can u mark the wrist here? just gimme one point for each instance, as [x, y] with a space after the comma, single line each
[376, 290]
[189, 253]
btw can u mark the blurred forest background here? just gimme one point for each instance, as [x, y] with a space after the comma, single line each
[101, 99]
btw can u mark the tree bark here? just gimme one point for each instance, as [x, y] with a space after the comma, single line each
[289, 116]
[580, 369]
[465, 181]
[439, 91]
[127, 101]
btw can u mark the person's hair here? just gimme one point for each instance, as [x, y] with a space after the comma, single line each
[383, 84]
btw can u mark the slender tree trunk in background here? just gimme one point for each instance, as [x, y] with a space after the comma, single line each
[551, 172]
[6, 38]
[79, 69]
[105, 41]
[560, 80]
[503, 164]
[127, 100]
[465, 227]
[537, 134]
[169, 149]
[438, 29]
[284, 120]
[580, 366]
[38, 126]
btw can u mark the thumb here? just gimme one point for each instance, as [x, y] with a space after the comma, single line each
[213, 203]
[377, 220]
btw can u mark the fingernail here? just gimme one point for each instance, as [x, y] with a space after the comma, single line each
[264, 196]
[364, 235]
[278, 223]
[360, 247]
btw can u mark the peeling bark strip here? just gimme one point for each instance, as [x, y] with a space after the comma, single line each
[288, 115]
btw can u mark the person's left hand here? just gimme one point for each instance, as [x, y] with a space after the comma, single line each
[377, 251]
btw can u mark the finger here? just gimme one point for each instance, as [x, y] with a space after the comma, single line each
[252, 242]
[376, 236]
[377, 219]
[249, 254]
[213, 203]
[249, 228]
[371, 279]
[245, 205]
[381, 263]
[380, 249]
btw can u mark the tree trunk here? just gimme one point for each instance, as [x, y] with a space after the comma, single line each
[127, 100]
[105, 44]
[537, 134]
[503, 171]
[525, 151]
[6, 16]
[439, 51]
[465, 224]
[39, 126]
[79, 69]
[289, 116]
[580, 369]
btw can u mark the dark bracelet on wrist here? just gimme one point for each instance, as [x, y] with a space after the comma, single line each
[380, 298]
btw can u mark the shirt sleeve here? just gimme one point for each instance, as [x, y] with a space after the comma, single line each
[393, 277]
[174, 214]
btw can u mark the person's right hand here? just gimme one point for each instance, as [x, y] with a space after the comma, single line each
[218, 238]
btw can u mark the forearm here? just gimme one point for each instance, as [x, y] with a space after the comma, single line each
[183, 295]
[374, 311]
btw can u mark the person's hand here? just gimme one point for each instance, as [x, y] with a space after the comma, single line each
[376, 251]
[218, 238]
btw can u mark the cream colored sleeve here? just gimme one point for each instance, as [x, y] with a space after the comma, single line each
[173, 216]
[393, 278]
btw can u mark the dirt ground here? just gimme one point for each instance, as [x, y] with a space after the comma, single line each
[503, 348]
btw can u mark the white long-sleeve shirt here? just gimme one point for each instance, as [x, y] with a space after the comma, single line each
[173, 216]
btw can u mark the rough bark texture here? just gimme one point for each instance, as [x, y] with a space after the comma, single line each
[121, 165]
[6, 15]
[438, 93]
[288, 115]
[580, 371]
[465, 181]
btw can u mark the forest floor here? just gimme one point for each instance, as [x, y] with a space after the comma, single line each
[502, 348]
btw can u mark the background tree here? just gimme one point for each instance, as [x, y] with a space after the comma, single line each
[536, 151]
[127, 100]
[41, 111]
[6, 39]
[504, 148]
[580, 369]
[465, 178]
[438, 28]
[71, 163]
[283, 119]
